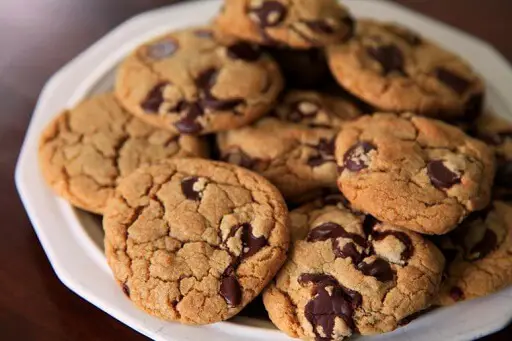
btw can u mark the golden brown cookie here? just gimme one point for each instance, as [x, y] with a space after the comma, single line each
[478, 255]
[293, 23]
[195, 82]
[349, 273]
[84, 151]
[414, 172]
[294, 146]
[194, 241]
[397, 70]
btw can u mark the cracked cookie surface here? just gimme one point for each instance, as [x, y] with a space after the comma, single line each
[196, 82]
[414, 172]
[85, 150]
[293, 23]
[396, 70]
[294, 146]
[348, 273]
[478, 255]
[497, 133]
[194, 241]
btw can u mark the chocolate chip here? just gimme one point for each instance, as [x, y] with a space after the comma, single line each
[230, 289]
[319, 26]
[207, 34]
[302, 109]
[250, 243]
[269, 14]
[187, 187]
[484, 247]
[503, 173]
[389, 57]
[189, 124]
[238, 157]
[126, 289]
[325, 154]
[452, 80]
[357, 158]
[368, 224]
[331, 300]
[402, 237]
[154, 99]
[457, 294]
[379, 268]
[206, 79]
[244, 51]
[332, 230]
[440, 175]
[211, 102]
[349, 250]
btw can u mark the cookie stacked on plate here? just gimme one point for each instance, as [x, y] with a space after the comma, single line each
[363, 129]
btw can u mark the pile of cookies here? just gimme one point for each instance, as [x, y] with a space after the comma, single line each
[343, 169]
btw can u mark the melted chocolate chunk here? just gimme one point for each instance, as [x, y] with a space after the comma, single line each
[325, 150]
[440, 176]
[302, 109]
[356, 158]
[188, 124]
[330, 300]
[230, 288]
[457, 294]
[404, 238]
[205, 81]
[484, 247]
[154, 99]
[379, 268]
[452, 80]
[349, 250]
[126, 289]
[244, 51]
[238, 157]
[389, 57]
[187, 187]
[250, 243]
[319, 26]
[331, 230]
[162, 49]
[269, 14]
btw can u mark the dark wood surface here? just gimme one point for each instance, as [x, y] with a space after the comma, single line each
[37, 37]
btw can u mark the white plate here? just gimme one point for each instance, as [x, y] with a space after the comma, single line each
[73, 239]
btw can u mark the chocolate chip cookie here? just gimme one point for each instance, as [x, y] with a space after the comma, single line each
[294, 147]
[197, 82]
[414, 172]
[85, 150]
[478, 255]
[349, 273]
[292, 23]
[397, 70]
[497, 133]
[194, 241]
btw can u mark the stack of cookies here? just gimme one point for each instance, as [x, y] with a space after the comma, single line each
[343, 169]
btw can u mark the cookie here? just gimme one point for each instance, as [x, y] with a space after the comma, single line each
[196, 82]
[478, 255]
[396, 70]
[294, 147]
[194, 241]
[292, 23]
[86, 150]
[497, 133]
[412, 171]
[348, 273]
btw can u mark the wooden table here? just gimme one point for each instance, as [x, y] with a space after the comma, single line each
[37, 37]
